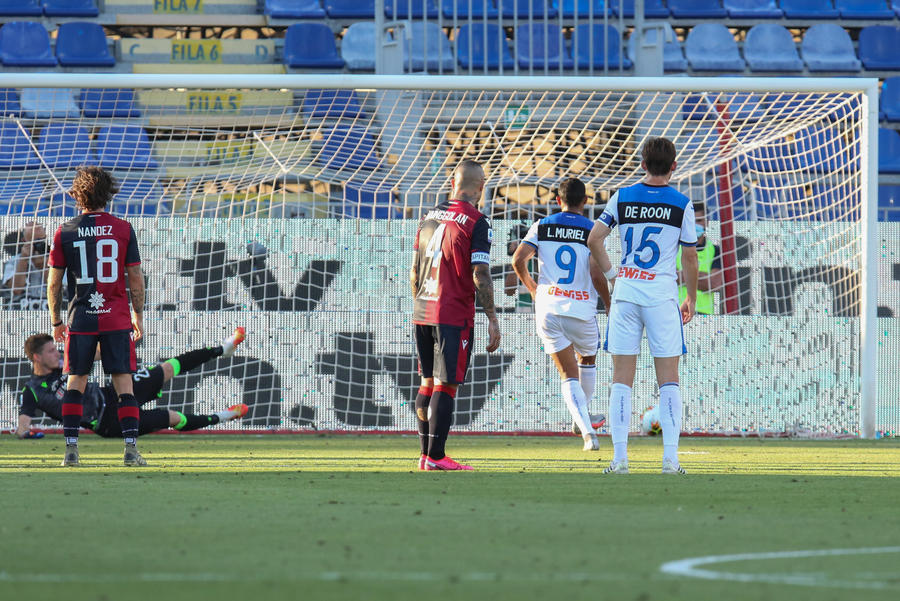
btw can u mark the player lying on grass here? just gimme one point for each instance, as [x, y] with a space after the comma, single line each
[47, 385]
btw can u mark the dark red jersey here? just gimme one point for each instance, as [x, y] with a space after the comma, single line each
[95, 248]
[453, 236]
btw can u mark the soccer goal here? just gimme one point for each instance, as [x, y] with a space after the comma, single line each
[288, 204]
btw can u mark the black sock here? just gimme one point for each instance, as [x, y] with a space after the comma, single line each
[190, 421]
[129, 417]
[422, 400]
[196, 358]
[441, 406]
[71, 415]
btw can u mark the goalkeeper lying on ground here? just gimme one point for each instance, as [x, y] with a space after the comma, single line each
[45, 388]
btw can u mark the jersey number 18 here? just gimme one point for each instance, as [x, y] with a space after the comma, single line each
[107, 262]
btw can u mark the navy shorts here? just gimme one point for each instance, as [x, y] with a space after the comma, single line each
[116, 353]
[444, 352]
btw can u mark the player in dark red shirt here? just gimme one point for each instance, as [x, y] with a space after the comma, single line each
[98, 251]
[451, 266]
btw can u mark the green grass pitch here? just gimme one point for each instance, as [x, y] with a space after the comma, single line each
[347, 517]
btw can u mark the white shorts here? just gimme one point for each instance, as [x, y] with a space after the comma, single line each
[559, 331]
[665, 332]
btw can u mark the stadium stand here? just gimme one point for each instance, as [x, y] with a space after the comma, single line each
[878, 47]
[82, 44]
[888, 202]
[752, 9]
[15, 148]
[895, 4]
[367, 204]
[21, 8]
[9, 103]
[538, 46]
[311, 46]
[863, 9]
[331, 104]
[107, 103]
[673, 55]
[524, 9]
[582, 8]
[22, 197]
[411, 10]
[589, 42]
[480, 9]
[232, 108]
[70, 8]
[48, 103]
[25, 44]
[711, 47]
[653, 9]
[770, 47]
[472, 53]
[426, 48]
[888, 150]
[350, 9]
[358, 46]
[890, 99]
[809, 9]
[350, 147]
[64, 145]
[697, 9]
[294, 9]
[124, 147]
[828, 47]
[138, 197]
[199, 53]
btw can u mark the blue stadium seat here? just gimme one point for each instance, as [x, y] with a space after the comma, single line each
[752, 9]
[138, 197]
[878, 47]
[82, 44]
[124, 147]
[828, 47]
[333, 104]
[780, 198]
[540, 45]
[770, 47]
[821, 149]
[70, 8]
[49, 103]
[294, 9]
[653, 9]
[673, 55]
[15, 148]
[64, 145]
[426, 48]
[809, 9]
[13, 192]
[711, 47]
[25, 44]
[367, 204]
[889, 203]
[104, 103]
[348, 147]
[864, 9]
[481, 9]
[888, 151]
[523, 8]
[351, 9]
[358, 46]
[311, 46]
[589, 54]
[895, 4]
[890, 98]
[833, 200]
[20, 8]
[697, 9]
[415, 11]
[9, 103]
[583, 8]
[497, 48]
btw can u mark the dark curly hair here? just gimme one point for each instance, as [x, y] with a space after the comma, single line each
[92, 188]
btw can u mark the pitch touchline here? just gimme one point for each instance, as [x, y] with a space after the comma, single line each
[690, 567]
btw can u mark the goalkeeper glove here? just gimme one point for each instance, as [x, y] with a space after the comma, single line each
[33, 434]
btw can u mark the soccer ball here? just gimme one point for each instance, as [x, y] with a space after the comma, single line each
[650, 421]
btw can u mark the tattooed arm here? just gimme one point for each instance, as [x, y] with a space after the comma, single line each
[484, 290]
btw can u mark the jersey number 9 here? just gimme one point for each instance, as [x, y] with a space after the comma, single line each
[566, 260]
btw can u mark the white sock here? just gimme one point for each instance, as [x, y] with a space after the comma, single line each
[587, 375]
[670, 419]
[226, 415]
[575, 403]
[620, 419]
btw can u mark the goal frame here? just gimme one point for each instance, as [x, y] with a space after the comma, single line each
[868, 87]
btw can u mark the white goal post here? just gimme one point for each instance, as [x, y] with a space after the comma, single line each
[287, 203]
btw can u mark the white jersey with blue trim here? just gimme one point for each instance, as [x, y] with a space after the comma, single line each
[653, 221]
[564, 285]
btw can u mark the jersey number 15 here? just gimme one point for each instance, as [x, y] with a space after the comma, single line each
[645, 243]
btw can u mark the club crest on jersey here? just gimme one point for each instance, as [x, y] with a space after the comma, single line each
[96, 301]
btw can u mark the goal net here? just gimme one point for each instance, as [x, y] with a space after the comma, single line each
[289, 205]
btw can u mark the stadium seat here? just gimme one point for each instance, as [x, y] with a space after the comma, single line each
[138, 197]
[124, 147]
[49, 103]
[864, 9]
[348, 148]
[104, 103]
[895, 5]
[9, 103]
[311, 46]
[350, 9]
[70, 8]
[358, 46]
[711, 47]
[888, 151]
[426, 48]
[294, 9]
[497, 48]
[334, 104]
[752, 9]
[780, 198]
[25, 44]
[828, 47]
[588, 54]
[673, 55]
[583, 8]
[889, 203]
[367, 204]
[540, 46]
[65, 145]
[411, 9]
[481, 9]
[833, 200]
[697, 9]
[890, 98]
[653, 9]
[878, 47]
[82, 44]
[523, 8]
[770, 47]
[15, 148]
[809, 9]
[20, 8]
[14, 191]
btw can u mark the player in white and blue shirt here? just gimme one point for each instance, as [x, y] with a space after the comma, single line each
[565, 295]
[654, 219]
